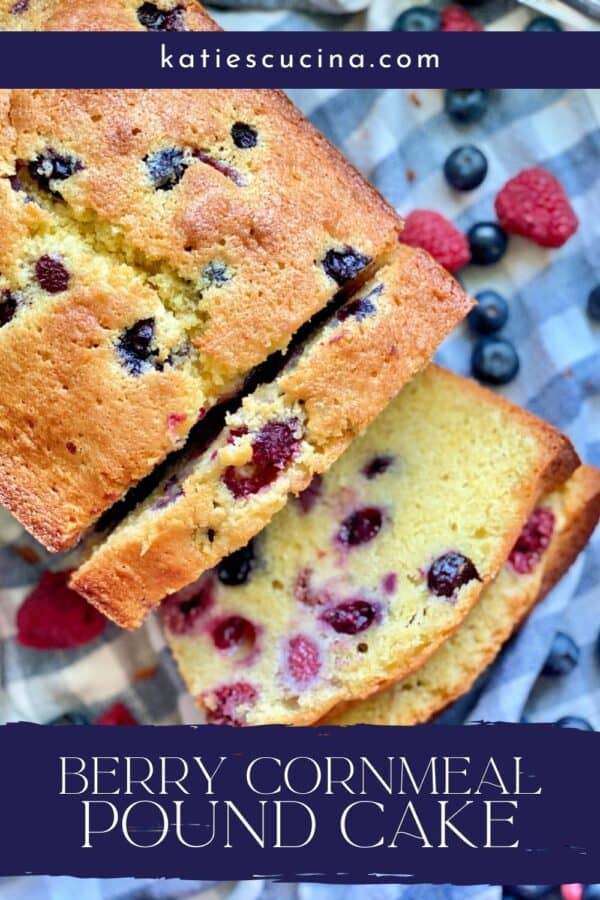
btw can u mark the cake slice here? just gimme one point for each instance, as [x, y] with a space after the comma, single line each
[530, 572]
[157, 247]
[359, 581]
[295, 424]
[110, 15]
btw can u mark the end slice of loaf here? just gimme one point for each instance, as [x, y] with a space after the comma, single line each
[453, 669]
[357, 583]
[157, 246]
[284, 433]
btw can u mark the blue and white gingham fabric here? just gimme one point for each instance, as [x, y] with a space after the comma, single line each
[392, 136]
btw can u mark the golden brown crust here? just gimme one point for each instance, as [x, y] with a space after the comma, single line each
[558, 460]
[89, 15]
[272, 234]
[350, 381]
[342, 383]
[412, 701]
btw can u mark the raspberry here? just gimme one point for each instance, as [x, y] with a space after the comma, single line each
[456, 18]
[232, 632]
[53, 617]
[532, 541]
[227, 705]
[309, 496]
[182, 612]
[303, 659]
[117, 714]
[431, 231]
[273, 449]
[534, 205]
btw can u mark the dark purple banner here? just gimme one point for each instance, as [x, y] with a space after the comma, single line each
[432, 804]
[295, 59]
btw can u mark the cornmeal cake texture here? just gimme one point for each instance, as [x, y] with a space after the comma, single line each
[295, 425]
[157, 247]
[553, 537]
[357, 583]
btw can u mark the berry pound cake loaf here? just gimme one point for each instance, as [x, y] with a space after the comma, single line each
[156, 247]
[110, 15]
[555, 533]
[307, 407]
[357, 582]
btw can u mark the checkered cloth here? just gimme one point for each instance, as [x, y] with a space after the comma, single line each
[379, 15]
[399, 140]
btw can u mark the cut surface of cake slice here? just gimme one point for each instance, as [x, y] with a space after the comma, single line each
[554, 535]
[110, 15]
[357, 583]
[157, 247]
[288, 429]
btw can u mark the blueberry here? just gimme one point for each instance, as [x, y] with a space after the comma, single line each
[351, 617]
[593, 304]
[72, 718]
[526, 891]
[488, 242]
[155, 19]
[216, 274]
[591, 892]
[465, 168]
[494, 360]
[343, 265]
[244, 136]
[574, 722]
[8, 306]
[52, 166]
[543, 23]
[360, 527]
[418, 18]
[449, 572]
[358, 309]
[135, 346]
[235, 569]
[166, 167]
[490, 314]
[563, 656]
[377, 466]
[51, 275]
[466, 105]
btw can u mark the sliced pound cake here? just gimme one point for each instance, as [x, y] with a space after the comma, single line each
[157, 247]
[357, 583]
[110, 15]
[295, 424]
[554, 535]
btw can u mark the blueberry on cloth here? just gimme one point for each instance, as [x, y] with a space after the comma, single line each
[488, 242]
[418, 18]
[465, 168]
[466, 105]
[490, 314]
[494, 361]
[563, 656]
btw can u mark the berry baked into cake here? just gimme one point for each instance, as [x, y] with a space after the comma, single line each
[307, 407]
[157, 247]
[357, 582]
[550, 541]
[110, 15]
